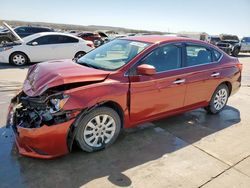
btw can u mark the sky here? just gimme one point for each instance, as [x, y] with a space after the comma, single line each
[211, 16]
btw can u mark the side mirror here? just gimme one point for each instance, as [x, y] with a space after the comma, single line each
[34, 43]
[146, 69]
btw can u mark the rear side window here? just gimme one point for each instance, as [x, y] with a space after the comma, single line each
[52, 39]
[38, 30]
[67, 39]
[197, 55]
[87, 34]
[246, 39]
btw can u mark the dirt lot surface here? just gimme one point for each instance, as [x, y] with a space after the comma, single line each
[193, 149]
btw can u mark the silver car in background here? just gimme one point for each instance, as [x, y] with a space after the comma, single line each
[245, 44]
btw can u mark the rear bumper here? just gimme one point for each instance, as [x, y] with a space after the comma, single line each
[45, 142]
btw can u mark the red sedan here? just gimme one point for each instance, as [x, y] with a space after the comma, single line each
[119, 85]
[94, 37]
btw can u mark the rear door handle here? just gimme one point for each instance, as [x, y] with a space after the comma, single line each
[215, 74]
[179, 81]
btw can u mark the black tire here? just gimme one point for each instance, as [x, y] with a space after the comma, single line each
[79, 55]
[236, 52]
[23, 59]
[211, 108]
[84, 133]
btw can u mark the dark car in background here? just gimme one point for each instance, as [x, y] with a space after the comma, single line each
[213, 39]
[91, 36]
[230, 44]
[22, 31]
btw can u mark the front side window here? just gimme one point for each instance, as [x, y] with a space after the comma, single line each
[113, 55]
[197, 55]
[164, 58]
[246, 39]
[52, 39]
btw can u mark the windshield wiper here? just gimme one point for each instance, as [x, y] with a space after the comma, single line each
[87, 65]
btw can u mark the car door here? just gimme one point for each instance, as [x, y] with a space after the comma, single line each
[41, 49]
[153, 96]
[65, 47]
[203, 73]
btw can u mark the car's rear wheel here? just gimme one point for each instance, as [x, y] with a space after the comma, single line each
[98, 129]
[219, 99]
[79, 55]
[18, 59]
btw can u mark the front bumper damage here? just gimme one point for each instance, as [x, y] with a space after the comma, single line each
[36, 137]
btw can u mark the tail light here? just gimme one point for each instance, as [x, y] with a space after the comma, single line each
[240, 66]
[91, 45]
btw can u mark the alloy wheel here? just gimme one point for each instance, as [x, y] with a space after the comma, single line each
[99, 130]
[220, 99]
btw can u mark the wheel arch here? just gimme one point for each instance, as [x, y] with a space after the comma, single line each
[111, 104]
[19, 52]
[80, 51]
[228, 84]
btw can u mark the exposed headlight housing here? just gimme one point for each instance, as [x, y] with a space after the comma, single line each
[5, 48]
[58, 103]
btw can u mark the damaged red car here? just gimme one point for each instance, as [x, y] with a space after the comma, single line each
[119, 85]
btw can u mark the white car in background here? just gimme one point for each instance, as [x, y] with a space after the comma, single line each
[43, 47]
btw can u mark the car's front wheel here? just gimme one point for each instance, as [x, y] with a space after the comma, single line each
[98, 129]
[18, 59]
[218, 100]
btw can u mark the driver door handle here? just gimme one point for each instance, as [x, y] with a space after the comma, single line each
[215, 74]
[179, 81]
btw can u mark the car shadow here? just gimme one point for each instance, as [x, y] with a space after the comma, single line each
[134, 147]
[8, 66]
[243, 55]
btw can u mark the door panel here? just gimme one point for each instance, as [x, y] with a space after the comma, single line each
[201, 84]
[64, 51]
[153, 95]
[40, 52]
[203, 74]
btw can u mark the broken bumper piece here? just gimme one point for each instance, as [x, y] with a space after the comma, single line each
[45, 142]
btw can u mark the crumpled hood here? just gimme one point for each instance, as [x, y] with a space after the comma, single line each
[46, 75]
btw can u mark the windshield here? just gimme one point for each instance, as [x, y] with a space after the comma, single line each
[113, 55]
[215, 39]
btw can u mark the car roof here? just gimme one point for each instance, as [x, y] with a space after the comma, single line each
[160, 39]
[40, 27]
[36, 35]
